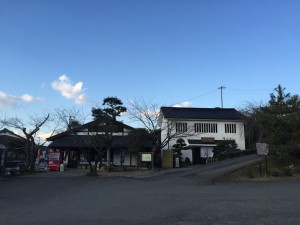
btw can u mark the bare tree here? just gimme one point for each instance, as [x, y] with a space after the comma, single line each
[93, 145]
[147, 113]
[144, 112]
[254, 132]
[68, 118]
[35, 123]
[89, 148]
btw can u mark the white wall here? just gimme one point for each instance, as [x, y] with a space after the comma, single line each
[187, 154]
[239, 136]
[126, 160]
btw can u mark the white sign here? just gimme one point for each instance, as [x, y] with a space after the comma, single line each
[177, 162]
[262, 148]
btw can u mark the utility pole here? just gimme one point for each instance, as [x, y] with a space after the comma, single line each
[222, 87]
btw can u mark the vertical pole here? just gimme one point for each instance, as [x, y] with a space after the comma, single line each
[3, 163]
[152, 157]
[221, 97]
[221, 88]
[259, 162]
[266, 159]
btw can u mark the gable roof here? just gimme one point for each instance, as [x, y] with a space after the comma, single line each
[92, 126]
[10, 139]
[201, 113]
[7, 132]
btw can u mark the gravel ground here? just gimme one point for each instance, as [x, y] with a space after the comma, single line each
[185, 196]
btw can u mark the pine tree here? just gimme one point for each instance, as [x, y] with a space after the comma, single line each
[280, 122]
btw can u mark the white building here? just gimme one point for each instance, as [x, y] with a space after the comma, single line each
[202, 129]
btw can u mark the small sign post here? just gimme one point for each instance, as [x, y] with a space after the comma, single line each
[262, 150]
[148, 158]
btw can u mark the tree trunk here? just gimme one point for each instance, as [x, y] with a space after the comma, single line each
[32, 160]
[33, 154]
[100, 159]
[91, 167]
[137, 161]
[3, 157]
[96, 163]
[108, 157]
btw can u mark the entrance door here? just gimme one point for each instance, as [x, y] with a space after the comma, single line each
[207, 152]
[196, 155]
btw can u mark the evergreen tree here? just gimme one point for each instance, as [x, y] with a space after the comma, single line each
[280, 122]
[106, 116]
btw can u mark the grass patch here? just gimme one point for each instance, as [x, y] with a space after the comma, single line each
[277, 168]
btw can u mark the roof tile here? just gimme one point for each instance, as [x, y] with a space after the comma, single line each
[201, 113]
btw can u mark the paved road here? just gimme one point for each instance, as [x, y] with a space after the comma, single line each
[181, 198]
[207, 172]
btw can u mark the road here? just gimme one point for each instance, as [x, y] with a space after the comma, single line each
[205, 172]
[183, 197]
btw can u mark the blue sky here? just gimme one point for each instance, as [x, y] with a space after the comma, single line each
[166, 51]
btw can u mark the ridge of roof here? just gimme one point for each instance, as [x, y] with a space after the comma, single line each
[198, 108]
[7, 131]
[81, 127]
[201, 113]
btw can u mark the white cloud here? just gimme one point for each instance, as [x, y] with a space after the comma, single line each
[8, 100]
[183, 104]
[27, 98]
[42, 136]
[68, 90]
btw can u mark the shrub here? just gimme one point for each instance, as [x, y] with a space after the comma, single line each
[275, 172]
[225, 146]
[187, 161]
[233, 154]
[289, 170]
[251, 174]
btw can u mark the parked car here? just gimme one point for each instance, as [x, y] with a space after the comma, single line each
[12, 161]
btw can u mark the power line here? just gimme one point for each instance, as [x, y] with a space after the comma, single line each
[206, 93]
[237, 89]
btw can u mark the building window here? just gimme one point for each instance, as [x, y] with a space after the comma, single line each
[181, 127]
[206, 128]
[230, 128]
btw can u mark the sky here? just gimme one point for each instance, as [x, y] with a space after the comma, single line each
[74, 53]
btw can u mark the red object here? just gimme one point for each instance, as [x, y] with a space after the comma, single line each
[54, 161]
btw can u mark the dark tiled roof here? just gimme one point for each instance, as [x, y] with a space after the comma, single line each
[201, 113]
[93, 126]
[84, 141]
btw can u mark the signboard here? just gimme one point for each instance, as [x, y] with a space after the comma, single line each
[146, 157]
[262, 148]
[54, 156]
[207, 139]
[82, 158]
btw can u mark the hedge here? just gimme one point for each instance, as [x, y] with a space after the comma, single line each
[234, 154]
